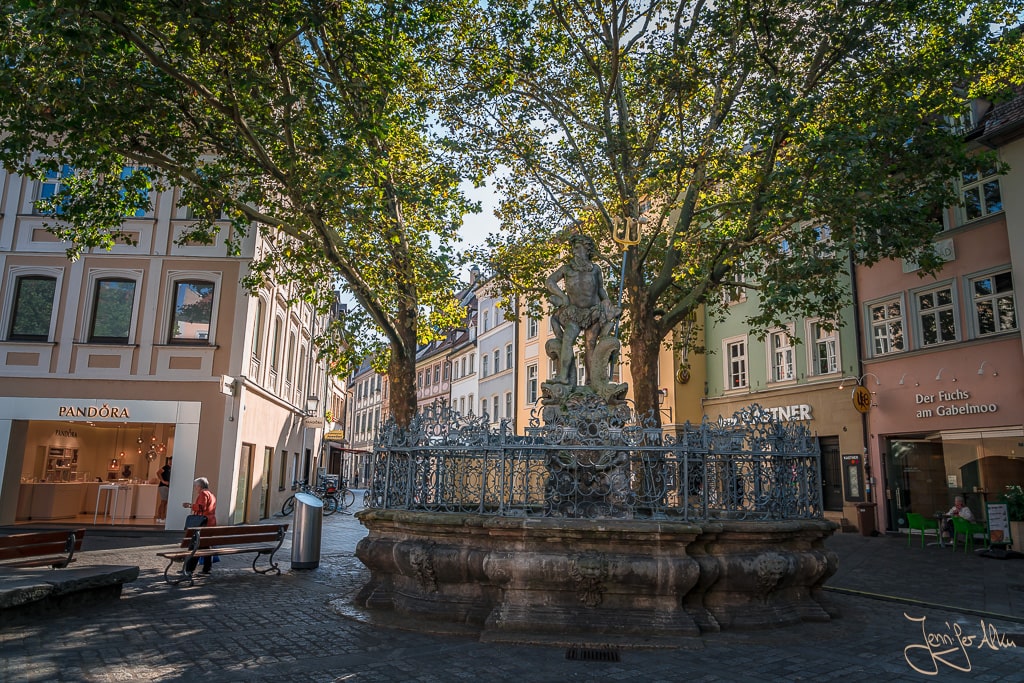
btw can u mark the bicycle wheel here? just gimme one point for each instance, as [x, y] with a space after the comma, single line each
[347, 499]
[330, 505]
[289, 506]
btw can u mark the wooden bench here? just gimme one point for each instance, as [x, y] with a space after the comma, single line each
[55, 549]
[207, 541]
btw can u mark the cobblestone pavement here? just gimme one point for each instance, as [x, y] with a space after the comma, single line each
[236, 625]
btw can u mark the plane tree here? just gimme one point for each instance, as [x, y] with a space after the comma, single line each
[308, 121]
[751, 146]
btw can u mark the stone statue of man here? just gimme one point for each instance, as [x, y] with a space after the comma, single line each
[581, 305]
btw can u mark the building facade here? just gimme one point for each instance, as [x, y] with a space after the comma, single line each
[151, 353]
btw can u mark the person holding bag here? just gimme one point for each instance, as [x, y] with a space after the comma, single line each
[204, 505]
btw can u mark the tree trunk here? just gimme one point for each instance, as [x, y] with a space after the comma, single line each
[402, 376]
[643, 364]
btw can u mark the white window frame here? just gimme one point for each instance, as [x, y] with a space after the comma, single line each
[171, 281]
[92, 282]
[532, 384]
[497, 361]
[817, 337]
[781, 356]
[532, 328]
[13, 274]
[885, 325]
[936, 312]
[509, 407]
[485, 361]
[510, 359]
[978, 186]
[728, 360]
[973, 320]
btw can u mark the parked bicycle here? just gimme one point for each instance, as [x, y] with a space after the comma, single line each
[326, 494]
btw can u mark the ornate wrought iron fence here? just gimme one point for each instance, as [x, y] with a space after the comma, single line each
[750, 466]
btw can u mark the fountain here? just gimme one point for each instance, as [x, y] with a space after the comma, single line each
[596, 526]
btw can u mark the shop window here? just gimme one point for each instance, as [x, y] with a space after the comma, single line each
[936, 316]
[112, 311]
[994, 310]
[32, 312]
[531, 384]
[824, 348]
[886, 320]
[192, 318]
[736, 363]
[783, 355]
[980, 192]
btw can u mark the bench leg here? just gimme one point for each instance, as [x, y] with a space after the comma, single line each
[178, 576]
[273, 565]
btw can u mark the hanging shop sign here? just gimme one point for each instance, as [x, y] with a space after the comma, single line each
[861, 398]
[950, 403]
[335, 435]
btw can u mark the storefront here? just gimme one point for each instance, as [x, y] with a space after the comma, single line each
[79, 461]
[831, 416]
[948, 424]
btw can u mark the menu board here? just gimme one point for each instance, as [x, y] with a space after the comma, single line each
[998, 524]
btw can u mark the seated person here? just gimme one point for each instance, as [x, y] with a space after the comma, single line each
[958, 510]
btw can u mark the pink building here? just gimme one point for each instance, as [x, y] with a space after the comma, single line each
[943, 354]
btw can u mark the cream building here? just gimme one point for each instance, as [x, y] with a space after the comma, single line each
[118, 362]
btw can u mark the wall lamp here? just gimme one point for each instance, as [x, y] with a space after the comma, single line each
[981, 369]
[860, 380]
[916, 383]
[938, 376]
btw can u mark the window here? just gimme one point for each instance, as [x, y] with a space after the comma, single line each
[471, 404]
[993, 303]
[531, 328]
[289, 373]
[531, 383]
[112, 310]
[193, 311]
[437, 374]
[462, 370]
[494, 409]
[824, 349]
[485, 321]
[282, 481]
[51, 186]
[483, 409]
[33, 308]
[509, 360]
[497, 361]
[129, 173]
[936, 316]
[484, 364]
[735, 292]
[447, 371]
[508, 405]
[736, 364]
[275, 350]
[462, 405]
[782, 356]
[472, 362]
[980, 192]
[419, 380]
[886, 320]
[257, 330]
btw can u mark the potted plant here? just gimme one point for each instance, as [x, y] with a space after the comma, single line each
[1014, 499]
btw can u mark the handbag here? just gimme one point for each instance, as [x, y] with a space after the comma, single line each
[193, 521]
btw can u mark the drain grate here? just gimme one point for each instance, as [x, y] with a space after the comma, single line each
[584, 654]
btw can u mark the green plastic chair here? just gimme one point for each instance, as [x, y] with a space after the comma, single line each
[921, 523]
[968, 530]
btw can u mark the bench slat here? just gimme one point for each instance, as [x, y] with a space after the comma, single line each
[54, 548]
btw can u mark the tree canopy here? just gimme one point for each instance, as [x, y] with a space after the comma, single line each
[765, 144]
[308, 119]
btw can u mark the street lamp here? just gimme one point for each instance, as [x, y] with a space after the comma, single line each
[311, 403]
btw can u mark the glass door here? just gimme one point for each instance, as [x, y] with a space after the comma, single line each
[916, 479]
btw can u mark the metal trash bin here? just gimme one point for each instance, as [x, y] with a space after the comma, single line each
[866, 519]
[306, 531]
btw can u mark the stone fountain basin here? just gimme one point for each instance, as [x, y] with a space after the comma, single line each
[598, 582]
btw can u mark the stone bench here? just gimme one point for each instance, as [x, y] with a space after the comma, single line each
[31, 591]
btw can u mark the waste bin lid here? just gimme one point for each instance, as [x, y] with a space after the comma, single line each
[309, 499]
